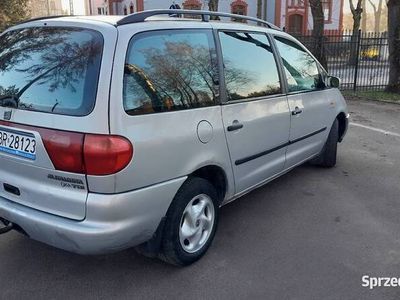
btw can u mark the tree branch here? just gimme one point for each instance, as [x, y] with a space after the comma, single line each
[352, 8]
[359, 5]
[373, 5]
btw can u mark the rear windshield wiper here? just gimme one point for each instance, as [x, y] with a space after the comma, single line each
[9, 101]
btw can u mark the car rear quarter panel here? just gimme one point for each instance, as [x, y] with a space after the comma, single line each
[166, 145]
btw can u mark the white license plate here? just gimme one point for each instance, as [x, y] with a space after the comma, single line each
[18, 143]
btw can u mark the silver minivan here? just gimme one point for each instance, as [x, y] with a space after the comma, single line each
[123, 131]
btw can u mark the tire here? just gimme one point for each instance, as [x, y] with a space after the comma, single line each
[191, 223]
[327, 158]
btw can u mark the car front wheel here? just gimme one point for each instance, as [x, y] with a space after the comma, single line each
[327, 158]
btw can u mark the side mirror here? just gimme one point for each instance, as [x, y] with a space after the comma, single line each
[333, 82]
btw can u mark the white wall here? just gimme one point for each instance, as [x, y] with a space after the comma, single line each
[283, 12]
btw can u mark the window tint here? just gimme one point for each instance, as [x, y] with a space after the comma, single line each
[250, 68]
[301, 69]
[50, 69]
[170, 70]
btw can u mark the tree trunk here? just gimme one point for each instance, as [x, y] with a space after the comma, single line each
[364, 17]
[12, 12]
[213, 6]
[394, 45]
[378, 16]
[356, 23]
[357, 14]
[318, 31]
[259, 9]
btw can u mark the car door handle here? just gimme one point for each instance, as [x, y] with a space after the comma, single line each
[235, 126]
[296, 111]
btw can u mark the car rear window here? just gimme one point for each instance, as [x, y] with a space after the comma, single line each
[50, 69]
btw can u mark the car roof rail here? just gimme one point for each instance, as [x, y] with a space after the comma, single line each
[205, 14]
[43, 18]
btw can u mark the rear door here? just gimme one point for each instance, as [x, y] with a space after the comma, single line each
[312, 108]
[165, 101]
[256, 113]
[48, 90]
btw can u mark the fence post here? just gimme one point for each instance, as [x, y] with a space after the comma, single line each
[357, 61]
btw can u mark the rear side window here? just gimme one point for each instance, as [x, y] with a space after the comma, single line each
[250, 67]
[300, 67]
[170, 70]
[50, 69]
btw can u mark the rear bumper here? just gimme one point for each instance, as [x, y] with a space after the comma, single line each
[113, 222]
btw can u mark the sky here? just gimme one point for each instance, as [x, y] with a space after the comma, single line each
[79, 6]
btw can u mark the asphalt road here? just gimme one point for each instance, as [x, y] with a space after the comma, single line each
[311, 234]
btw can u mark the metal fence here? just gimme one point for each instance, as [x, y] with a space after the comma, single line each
[361, 61]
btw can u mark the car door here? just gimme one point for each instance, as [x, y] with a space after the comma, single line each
[255, 114]
[310, 104]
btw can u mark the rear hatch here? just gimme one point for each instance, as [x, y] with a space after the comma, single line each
[49, 74]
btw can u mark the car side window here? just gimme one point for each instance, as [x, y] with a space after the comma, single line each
[301, 69]
[249, 65]
[170, 70]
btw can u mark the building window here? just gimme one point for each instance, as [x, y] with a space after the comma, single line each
[192, 4]
[239, 7]
[125, 10]
[131, 9]
[296, 3]
[327, 9]
[295, 23]
[101, 11]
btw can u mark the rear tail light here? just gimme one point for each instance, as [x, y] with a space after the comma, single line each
[106, 154]
[65, 149]
[91, 154]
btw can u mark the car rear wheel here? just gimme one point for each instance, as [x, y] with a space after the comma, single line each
[191, 223]
[327, 158]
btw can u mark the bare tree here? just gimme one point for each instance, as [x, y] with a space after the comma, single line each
[259, 9]
[364, 16]
[12, 12]
[318, 31]
[213, 6]
[357, 14]
[394, 45]
[377, 14]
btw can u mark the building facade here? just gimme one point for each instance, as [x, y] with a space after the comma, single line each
[40, 8]
[293, 15]
[114, 7]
